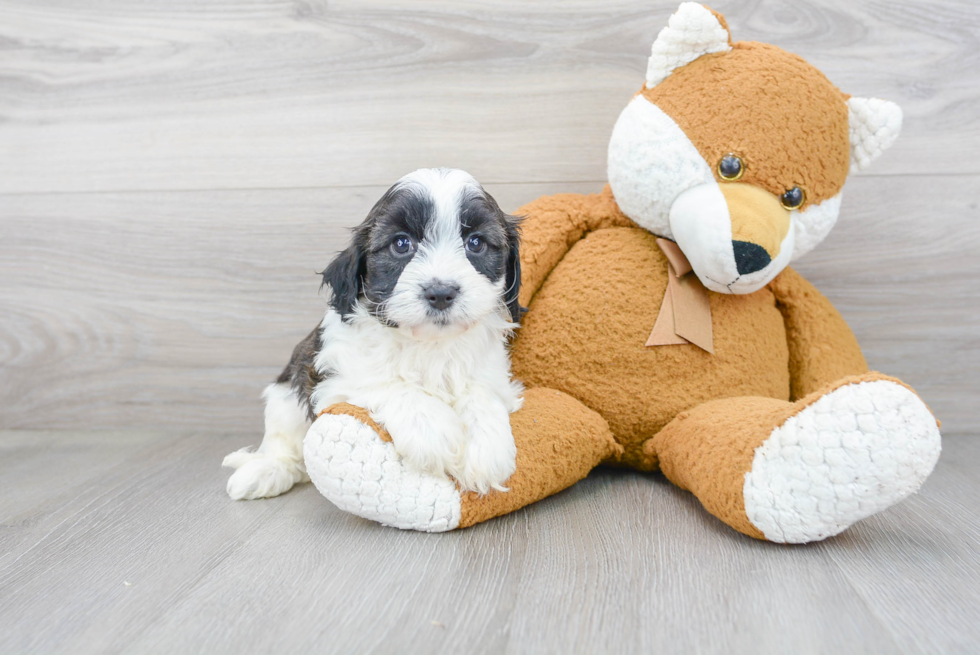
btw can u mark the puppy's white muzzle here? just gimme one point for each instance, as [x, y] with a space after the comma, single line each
[441, 264]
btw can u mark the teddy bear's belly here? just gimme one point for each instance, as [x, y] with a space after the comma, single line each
[587, 326]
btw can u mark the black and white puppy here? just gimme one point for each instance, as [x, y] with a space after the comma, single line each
[423, 303]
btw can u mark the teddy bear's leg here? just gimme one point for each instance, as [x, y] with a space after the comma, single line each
[803, 471]
[353, 463]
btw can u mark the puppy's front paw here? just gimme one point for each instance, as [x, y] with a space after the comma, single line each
[491, 458]
[429, 439]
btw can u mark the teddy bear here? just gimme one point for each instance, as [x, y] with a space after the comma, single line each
[664, 328]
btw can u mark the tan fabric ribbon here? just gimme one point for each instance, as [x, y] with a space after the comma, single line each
[685, 314]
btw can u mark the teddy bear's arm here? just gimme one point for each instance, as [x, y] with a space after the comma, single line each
[822, 348]
[552, 224]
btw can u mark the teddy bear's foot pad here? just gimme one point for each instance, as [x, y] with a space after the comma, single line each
[849, 454]
[362, 474]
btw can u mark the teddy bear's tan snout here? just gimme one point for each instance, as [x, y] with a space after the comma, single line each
[736, 236]
[759, 225]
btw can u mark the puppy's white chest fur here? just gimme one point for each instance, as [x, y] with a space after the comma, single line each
[446, 402]
[361, 357]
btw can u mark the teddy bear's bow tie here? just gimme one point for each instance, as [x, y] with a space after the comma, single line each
[685, 314]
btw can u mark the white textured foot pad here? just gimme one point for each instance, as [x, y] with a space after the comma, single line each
[361, 474]
[854, 452]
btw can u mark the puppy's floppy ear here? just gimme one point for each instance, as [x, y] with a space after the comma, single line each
[345, 274]
[512, 281]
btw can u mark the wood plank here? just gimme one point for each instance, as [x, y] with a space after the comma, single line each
[67, 460]
[158, 310]
[150, 521]
[559, 577]
[640, 567]
[108, 95]
[622, 562]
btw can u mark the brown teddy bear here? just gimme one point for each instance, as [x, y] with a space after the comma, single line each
[664, 329]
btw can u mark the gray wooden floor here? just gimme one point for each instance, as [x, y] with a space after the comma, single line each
[172, 173]
[126, 542]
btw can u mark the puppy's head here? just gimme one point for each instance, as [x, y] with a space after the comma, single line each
[435, 256]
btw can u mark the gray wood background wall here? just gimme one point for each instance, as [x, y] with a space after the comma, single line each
[173, 173]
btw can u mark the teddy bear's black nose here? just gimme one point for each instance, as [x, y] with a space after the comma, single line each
[750, 257]
[440, 296]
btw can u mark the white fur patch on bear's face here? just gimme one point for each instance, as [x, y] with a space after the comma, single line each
[651, 162]
[703, 230]
[813, 224]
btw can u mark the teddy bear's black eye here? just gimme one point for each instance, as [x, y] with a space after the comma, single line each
[730, 168]
[793, 198]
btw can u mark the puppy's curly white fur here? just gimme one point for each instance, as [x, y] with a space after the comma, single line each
[423, 303]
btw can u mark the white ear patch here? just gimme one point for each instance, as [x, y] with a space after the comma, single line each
[693, 31]
[874, 125]
[651, 162]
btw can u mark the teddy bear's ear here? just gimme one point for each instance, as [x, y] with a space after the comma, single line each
[874, 125]
[693, 31]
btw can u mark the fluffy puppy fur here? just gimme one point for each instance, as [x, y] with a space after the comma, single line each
[423, 303]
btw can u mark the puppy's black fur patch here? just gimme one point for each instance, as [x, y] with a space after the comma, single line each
[367, 270]
[480, 214]
[300, 373]
[345, 274]
[401, 211]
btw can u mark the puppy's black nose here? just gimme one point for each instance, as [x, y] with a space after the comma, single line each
[750, 257]
[441, 296]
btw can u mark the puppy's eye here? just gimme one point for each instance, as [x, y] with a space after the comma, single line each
[402, 245]
[731, 168]
[475, 244]
[793, 198]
